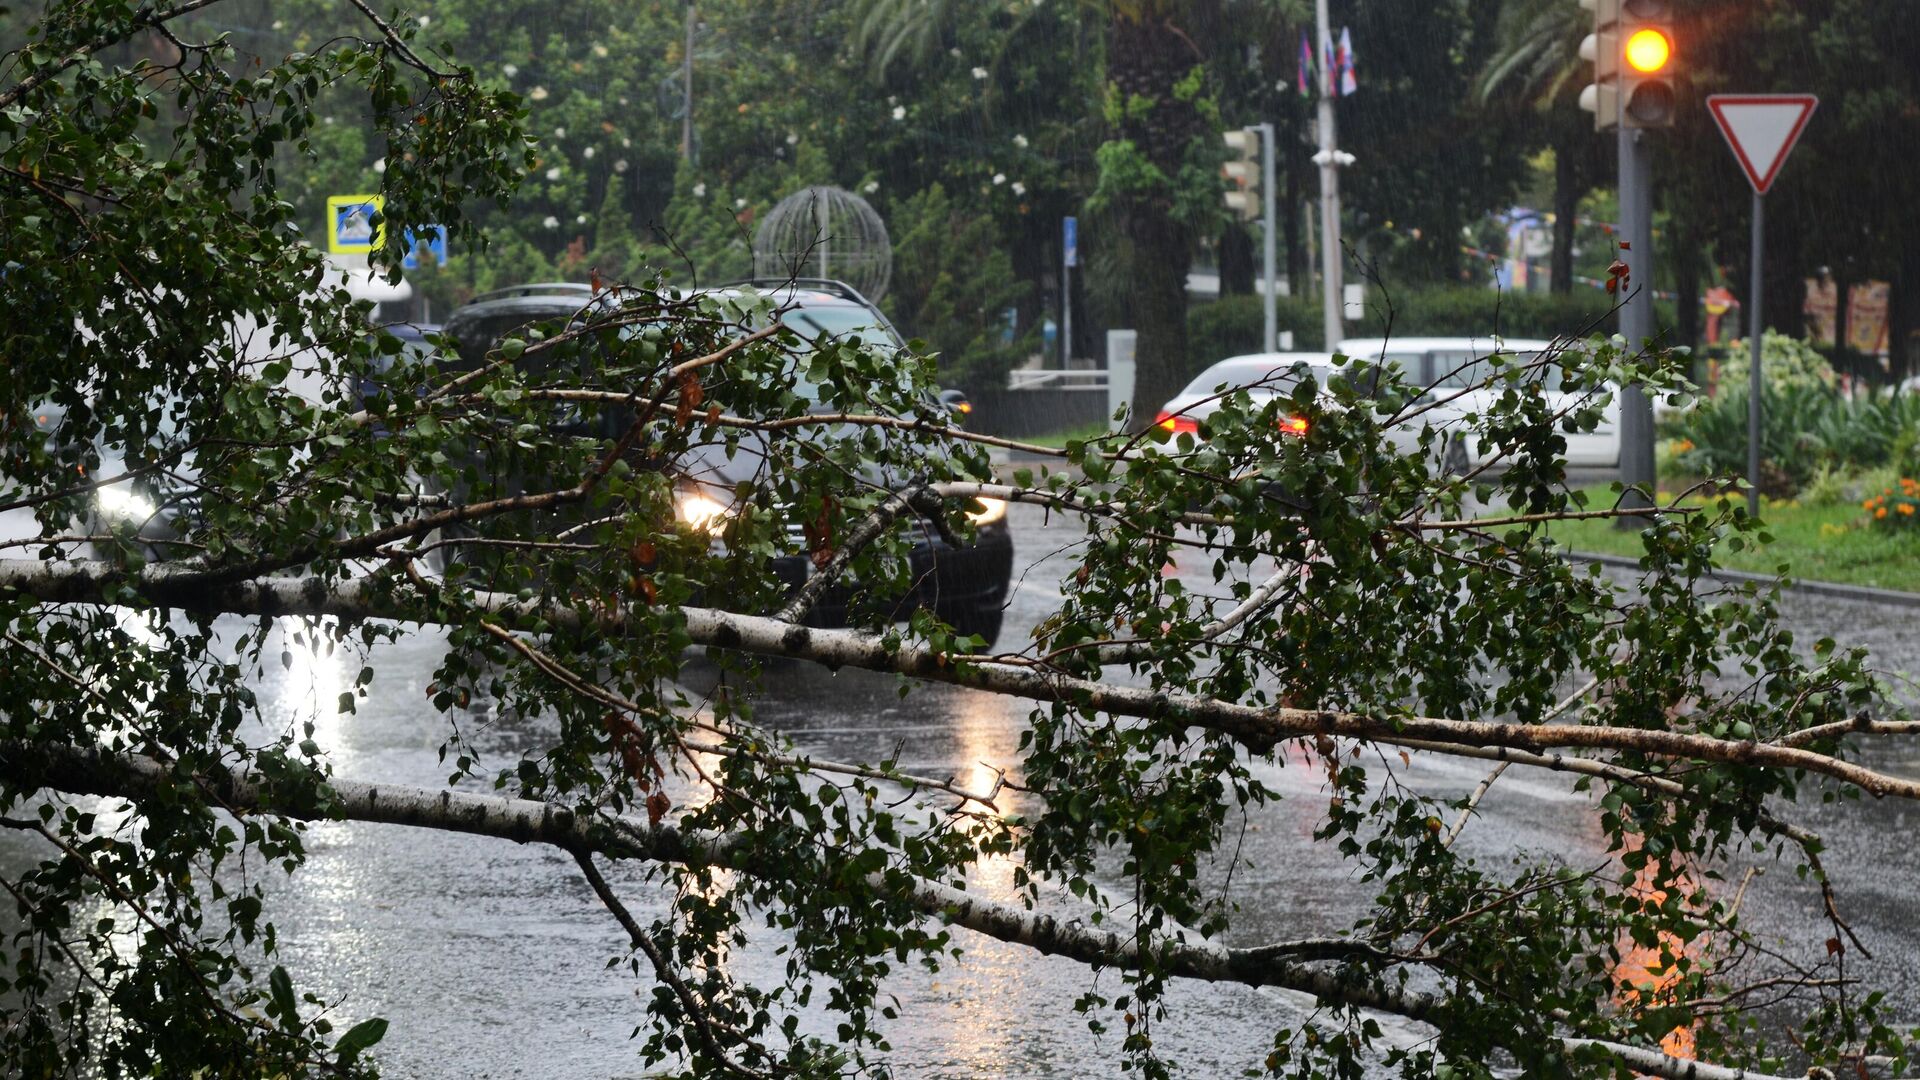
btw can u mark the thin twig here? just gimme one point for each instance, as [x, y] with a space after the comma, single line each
[703, 1024]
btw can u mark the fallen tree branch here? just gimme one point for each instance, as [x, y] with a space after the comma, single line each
[76, 770]
[1258, 728]
[1473, 801]
[811, 420]
[878, 521]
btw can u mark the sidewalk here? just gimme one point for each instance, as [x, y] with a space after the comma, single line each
[1860, 593]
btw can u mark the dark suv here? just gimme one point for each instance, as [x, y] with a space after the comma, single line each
[964, 585]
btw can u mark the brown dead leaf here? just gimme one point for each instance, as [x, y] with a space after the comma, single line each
[691, 395]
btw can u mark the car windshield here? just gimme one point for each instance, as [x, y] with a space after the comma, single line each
[836, 321]
[810, 321]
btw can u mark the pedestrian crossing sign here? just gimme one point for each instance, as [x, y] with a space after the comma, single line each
[353, 226]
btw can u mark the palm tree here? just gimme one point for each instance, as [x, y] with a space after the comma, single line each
[1539, 61]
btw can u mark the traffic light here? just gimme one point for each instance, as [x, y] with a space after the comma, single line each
[1631, 49]
[1242, 174]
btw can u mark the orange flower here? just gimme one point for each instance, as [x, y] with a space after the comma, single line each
[1907, 509]
[1880, 514]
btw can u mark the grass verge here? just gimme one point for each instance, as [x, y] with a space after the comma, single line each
[1831, 542]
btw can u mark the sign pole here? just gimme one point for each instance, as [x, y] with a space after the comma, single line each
[1761, 130]
[1069, 258]
[1754, 333]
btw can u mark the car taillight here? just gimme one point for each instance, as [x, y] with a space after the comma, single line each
[1293, 425]
[1174, 425]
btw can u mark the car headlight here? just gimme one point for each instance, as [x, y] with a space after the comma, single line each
[991, 510]
[699, 511]
[124, 504]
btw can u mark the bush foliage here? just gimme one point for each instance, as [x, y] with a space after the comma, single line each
[1805, 430]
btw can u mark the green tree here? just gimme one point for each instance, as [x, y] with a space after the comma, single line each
[142, 223]
[1156, 186]
[1430, 163]
[1538, 67]
[953, 288]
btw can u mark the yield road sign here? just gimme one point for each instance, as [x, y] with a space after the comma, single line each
[1761, 129]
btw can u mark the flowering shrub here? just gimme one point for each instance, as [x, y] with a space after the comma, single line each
[1896, 507]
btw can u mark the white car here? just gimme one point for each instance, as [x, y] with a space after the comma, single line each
[1263, 376]
[1454, 367]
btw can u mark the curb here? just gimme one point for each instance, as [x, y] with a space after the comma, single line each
[1864, 594]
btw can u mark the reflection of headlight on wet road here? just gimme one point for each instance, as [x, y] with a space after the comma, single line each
[991, 510]
[700, 511]
[124, 504]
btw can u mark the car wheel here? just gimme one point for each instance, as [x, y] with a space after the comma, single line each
[1454, 461]
[982, 622]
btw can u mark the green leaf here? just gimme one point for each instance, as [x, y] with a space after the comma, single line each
[359, 1038]
[280, 985]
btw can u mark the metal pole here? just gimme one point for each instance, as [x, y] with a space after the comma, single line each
[1754, 334]
[824, 220]
[1636, 317]
[686, 100]
[1066, 311]
[1329, 193]
[1270, 222]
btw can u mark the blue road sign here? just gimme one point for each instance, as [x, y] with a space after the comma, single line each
[1071, 234]
[434, 244]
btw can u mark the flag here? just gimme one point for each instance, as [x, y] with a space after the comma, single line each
[1332, 70]
[1306, 66]
[1348, 83]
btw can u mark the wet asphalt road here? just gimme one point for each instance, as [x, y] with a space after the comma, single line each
[490, 959]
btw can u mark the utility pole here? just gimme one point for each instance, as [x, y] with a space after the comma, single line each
[686, 100]
[1636, 314]
[1329, 161]
[1634, 91]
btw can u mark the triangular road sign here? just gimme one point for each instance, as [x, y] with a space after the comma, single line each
[1761, 129]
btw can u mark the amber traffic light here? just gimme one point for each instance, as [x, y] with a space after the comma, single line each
[1648, 51]
[1632, 51]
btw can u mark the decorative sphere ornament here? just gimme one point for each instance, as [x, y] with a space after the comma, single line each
[825, 232]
